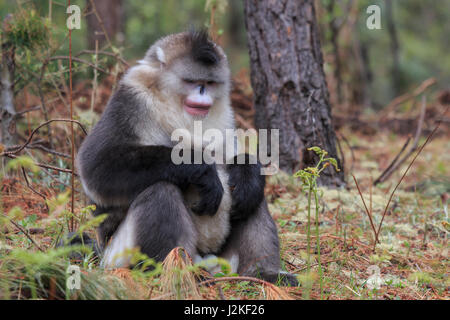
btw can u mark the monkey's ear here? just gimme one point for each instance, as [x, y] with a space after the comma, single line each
[160, 55]
[156, 58]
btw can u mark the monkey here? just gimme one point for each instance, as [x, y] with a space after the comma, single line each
[126, 168]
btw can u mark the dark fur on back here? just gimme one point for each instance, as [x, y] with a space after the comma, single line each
[203, 49]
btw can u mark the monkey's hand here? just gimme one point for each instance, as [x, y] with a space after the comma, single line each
[210, 190]
[247, 185]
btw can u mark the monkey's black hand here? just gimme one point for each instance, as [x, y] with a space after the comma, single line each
[210, 190]
[247, 185]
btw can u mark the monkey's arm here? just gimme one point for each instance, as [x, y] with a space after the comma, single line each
[247, 185]
[124, 171]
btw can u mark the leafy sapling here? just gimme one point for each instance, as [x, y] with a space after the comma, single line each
[309, 177]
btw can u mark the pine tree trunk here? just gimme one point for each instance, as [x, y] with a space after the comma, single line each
[290, 90]
[111, 13]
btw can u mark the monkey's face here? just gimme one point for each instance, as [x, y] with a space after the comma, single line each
[199, 88]
[189, 77]
[198, 99]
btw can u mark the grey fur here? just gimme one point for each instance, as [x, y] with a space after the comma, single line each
[255, 241]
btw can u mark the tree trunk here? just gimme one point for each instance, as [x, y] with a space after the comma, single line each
[7, 108]
[335, 28]
[236, 23]
[290, 91]
[111, 14]
[392, 31]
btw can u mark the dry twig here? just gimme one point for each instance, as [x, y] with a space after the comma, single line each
[395, 164]
[406, 171]
[30, 137]
[80, 61]
[106, 53]
[41, 165]
[18, 226]
[369, 213]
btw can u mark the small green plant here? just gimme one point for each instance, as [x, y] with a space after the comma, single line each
[307, 280]
[309, 177]
[27, 30]
[26, 274]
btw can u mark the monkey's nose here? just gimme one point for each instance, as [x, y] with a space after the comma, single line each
[202, 89]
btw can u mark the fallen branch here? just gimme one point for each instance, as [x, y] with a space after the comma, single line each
[369, 214]
[408, 96]
[382, 177]
[395, 164]
[18, 226]
[406, 171]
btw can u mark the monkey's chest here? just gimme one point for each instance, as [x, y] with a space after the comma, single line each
[212, 231]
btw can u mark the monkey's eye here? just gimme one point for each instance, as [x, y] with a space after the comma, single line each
[210, 83]
[190, 81]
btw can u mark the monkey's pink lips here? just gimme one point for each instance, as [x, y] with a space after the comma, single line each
[196, 108]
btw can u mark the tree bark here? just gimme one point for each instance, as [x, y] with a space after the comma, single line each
[111, 14]
[290, 90]
[7, 108]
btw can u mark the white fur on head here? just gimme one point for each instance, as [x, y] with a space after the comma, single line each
[160, 55]
[160, 108]
[162, 114]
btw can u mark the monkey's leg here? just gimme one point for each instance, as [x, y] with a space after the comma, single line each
[115, 215]
[105, 230]
[254, 243]
[156, 222]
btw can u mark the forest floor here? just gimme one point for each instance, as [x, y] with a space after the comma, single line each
[409, 262]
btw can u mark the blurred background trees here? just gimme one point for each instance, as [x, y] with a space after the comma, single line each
[366, 67]
[366, 71]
